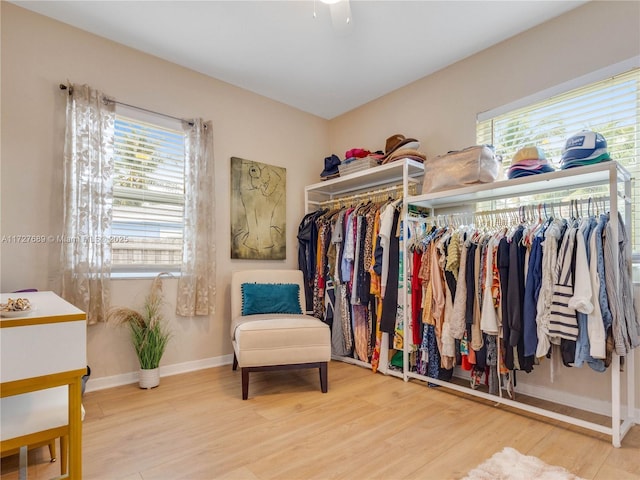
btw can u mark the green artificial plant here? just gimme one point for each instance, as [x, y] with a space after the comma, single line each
[149, 331]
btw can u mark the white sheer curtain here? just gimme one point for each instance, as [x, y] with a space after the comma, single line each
[197, 284]
[88, 193]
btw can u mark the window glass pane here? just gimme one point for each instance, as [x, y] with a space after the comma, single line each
[611, 107]
[148, 205]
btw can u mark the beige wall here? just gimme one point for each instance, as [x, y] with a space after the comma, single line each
[37, 55]
[440, 110]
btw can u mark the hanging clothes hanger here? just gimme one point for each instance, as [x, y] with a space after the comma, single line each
[579, 213]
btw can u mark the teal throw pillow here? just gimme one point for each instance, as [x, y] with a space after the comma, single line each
[270, 298]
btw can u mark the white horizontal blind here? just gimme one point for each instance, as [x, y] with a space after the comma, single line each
[148, 190]
[611, 107]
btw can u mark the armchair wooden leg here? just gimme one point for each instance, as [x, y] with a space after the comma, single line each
[245, 383]
[324, 382]
[235, 362]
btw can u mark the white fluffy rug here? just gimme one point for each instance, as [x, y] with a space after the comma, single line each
[509, 464]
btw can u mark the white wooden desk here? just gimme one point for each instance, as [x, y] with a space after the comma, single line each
[41, 355]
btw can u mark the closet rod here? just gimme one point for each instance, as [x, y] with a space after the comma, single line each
[142, 109]
[528, 208]
[536, 206]
[371, 194]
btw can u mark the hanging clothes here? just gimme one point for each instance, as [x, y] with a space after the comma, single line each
[416, 296]
[591, 342]
[375, 290]
[488, 314]
[552, 237]
[490, 302]
[533, 284]
[307, 243]
[338, 257]
[458, 325]
[626, 325]
[390, 291]
[563, 323]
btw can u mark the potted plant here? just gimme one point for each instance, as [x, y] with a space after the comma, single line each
[149, 332]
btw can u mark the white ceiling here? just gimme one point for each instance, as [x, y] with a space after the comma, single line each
[280, 50]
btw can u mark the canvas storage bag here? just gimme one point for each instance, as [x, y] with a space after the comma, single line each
[476, 164]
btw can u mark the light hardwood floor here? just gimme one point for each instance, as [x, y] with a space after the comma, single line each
[368, 426]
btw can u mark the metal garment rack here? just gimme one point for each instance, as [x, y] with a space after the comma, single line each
[400, 177]
[608, 174]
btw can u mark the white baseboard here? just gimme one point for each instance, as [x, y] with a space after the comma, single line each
[132, 377]
[602, 407]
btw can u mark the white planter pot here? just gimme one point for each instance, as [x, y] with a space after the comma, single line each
[149, 378]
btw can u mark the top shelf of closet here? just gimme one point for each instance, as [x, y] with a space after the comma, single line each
[383, 175]
[579, 177]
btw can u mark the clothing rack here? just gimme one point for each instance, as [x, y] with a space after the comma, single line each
[393, 193]
[380, 195]
[610, 175]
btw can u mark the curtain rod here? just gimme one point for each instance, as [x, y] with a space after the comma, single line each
[65, 87]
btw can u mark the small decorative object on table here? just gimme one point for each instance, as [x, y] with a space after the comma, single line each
[149, 333]
[15, 307]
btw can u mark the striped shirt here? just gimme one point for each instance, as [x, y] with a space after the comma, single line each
[563, 322]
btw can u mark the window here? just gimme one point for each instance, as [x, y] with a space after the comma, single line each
[148, 195]
[610, 106]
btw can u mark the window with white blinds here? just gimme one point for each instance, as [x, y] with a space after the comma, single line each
[148, 197]
[610, 107]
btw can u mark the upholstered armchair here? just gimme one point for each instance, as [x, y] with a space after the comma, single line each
[269, 327]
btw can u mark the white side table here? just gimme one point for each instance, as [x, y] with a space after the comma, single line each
[43, 356]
